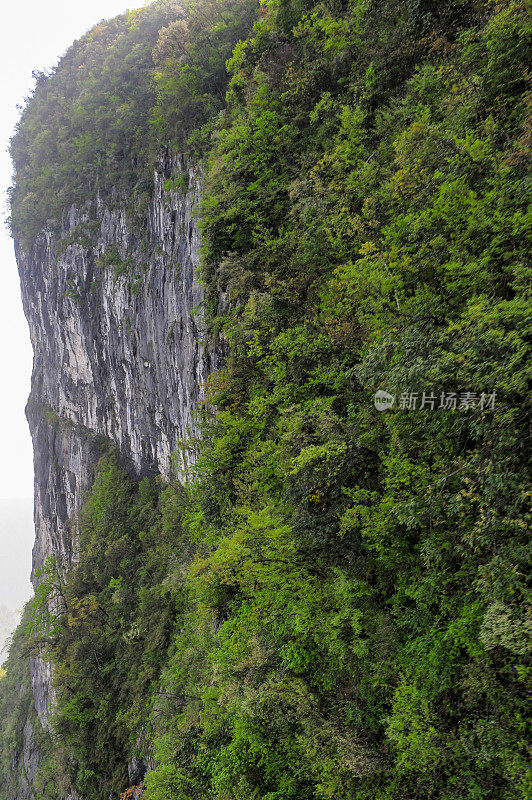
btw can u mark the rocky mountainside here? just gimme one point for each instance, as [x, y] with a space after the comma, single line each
[120, 356]
[295, 569]
[119, 351]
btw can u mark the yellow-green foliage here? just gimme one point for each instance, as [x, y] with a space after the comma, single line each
[367, 211]
[100, 119]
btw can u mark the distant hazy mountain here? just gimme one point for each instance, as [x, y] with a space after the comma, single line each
[16, 542]
[8, 623]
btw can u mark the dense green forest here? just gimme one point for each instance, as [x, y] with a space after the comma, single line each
[335, 605]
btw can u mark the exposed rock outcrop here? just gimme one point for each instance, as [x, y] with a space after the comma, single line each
[114, 309]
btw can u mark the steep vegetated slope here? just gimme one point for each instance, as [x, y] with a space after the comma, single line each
[327, 599]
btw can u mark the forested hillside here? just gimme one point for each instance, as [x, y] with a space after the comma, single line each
[334, 605]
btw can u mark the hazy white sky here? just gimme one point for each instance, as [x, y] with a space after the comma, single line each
[33, 35]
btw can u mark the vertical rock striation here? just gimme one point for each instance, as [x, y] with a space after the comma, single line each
[114, 310]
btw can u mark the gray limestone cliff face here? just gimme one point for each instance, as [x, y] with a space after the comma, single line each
[115, 315]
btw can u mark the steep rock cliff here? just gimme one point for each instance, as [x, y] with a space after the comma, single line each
[114, 311]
